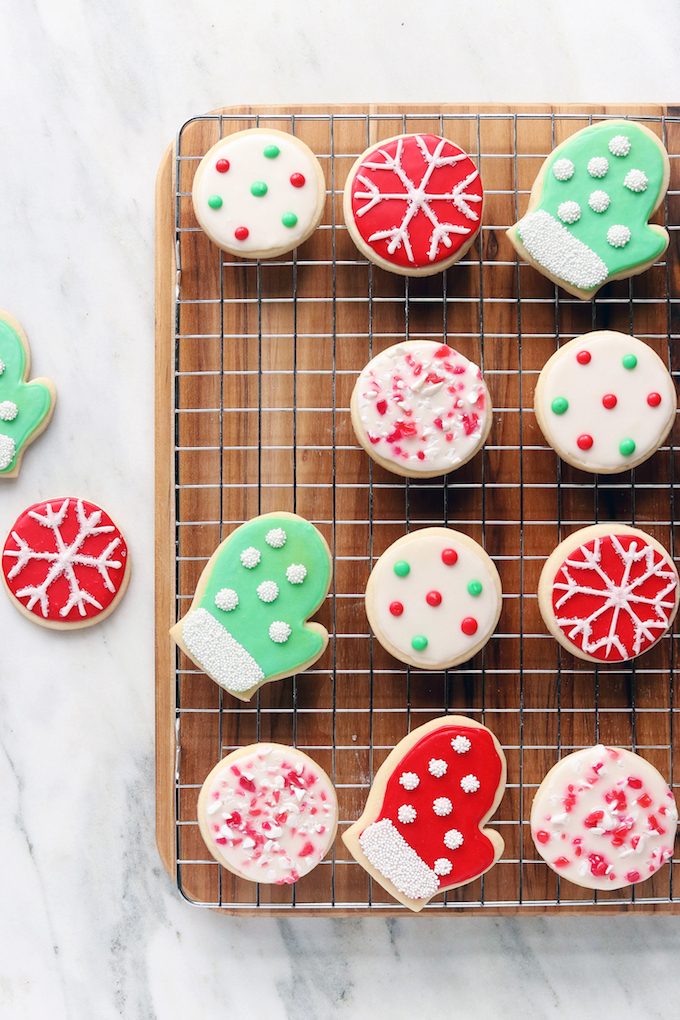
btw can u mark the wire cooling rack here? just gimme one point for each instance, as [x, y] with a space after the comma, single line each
[262, 358]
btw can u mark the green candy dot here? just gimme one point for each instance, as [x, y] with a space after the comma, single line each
[289, 219]
[629, 361]
[272, 151]
[258, 189]
[475, 588]
[215, 202]
[627, 446]
[560, 405]
[401, 568]
[419, 642]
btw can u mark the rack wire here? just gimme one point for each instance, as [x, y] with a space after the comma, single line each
[266, 354]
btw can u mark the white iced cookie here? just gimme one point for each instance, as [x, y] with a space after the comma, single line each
[605, 402]
[434, 598]
[259, 193]
[421, 409]
[604, 818]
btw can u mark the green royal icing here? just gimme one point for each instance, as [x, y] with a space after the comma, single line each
[475, 588]
[33, 399]
[559, 405]
[215, 202]
[258, 189]
[249, 622]
[401, 568]
[629, 361]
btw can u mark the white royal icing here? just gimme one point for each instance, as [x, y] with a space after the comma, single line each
[555, 248]
[618, 235]
[469, 784]
[437, 767]
[390, 854]
[296, 573]
[279, 631]
[563, 169]
[599, 201]
[442, 806]
[407, 814]
[569, 212]
[226, 599]
[598, 166]
[8, 410]
[619, 145]
[250, 557]
[636, 180]
[453, 839]
[268, 591]
[276, 538]
[218, 653]
[7, 451]
[409, 780]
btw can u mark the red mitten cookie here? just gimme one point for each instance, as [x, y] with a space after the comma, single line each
[422, 830]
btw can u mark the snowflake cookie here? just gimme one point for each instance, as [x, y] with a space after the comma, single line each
[259, 193]
[247, 623]
[608, 592]
[434, 598]
[26, 408]
[65, 564]
[421, 409]
[413, 204]
[418, 839]
[587, 220]
[268, 813]
[604, 818]
[605, 402]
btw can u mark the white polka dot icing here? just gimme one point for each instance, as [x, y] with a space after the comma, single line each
[599, 201]
[250, 557]
[563, 169]
[598, 166]
[569, 212]
[604, 818]
[8, 410]
[619, 145]
[636, 180]
[276, 538]
[618, 235]
[226, 599]
[268, 591]
[407, 814]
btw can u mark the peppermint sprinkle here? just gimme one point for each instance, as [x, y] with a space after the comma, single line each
[461, 744]
[619, 145]
[453, 839]
[250, 557]
[409, 780]
[437, 767]
[469, 784]
[442, 807]
[279, 631]
[226, 599]
[618, 235]
[296, 573]
[268, 591]
[563, 169]
[636, 180]
[598, 166]
[276, 538]
[406, 814]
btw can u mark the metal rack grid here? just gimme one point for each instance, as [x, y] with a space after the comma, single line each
[571, 700]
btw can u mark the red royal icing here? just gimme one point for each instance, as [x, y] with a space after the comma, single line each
[583, 357]
[449, 557]
[222, 165]
[609, 401]
[584, 442]
[654, 399]
[416, 200]
[241, 233]
[469, 626]
[433, 598]
[396, 608]
[297, 180]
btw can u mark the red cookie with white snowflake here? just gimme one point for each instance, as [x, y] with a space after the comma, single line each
[421, 409]
[604, 818]
[268, 813]
[422, 830]
[65, 564]
[413, 204]
[608, 593]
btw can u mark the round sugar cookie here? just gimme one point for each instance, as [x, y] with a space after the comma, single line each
[421, 409]
[413, 204]
[605, 402]
[434, 598]
[65, 564]
[604, 818]
[608, 592]
[268, 813]
[259, 193]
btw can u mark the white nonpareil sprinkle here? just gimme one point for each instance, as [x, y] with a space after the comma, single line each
[2, 367]
[636, 180]
[7, 451]
[598, 166]
[599, 201]
[279, 631]
[390, 854]
[8, 410]
[407, 814]
[569, 212]
[226, 599]
[469, 784]
[250, 557]
[453, 839]
[442, 866]
[276, 538]
[563, 169]
[268, 591]
[296, 573]
[619, 145]
[618, 235]
[214, 649]
[461, 744]
[409, 780]
[552, 245]
[437, 767]
[442, 807]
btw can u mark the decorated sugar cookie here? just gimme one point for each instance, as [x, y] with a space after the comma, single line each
[247, 623]
[259, 193]
[587, 217]
[608, 592]
[26, 408]
[268, 813]
[605, 402]
[422, 830]
[434, 598]
[413, 204]
[421, 409]
[65, 564]
[604, 818]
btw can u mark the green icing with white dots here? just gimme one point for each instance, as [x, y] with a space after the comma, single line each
[23, 405]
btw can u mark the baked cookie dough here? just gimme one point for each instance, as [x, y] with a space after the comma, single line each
[608, 593]
[259, 193]
[605, 402]
[422, 830]
[604, 818]
[247, 623]
[434, 598]
[268, 813]
[587, 218]
[421, 409]
[413, 204]
[26, 408]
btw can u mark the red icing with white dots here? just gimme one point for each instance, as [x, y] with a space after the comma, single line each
[604, 818]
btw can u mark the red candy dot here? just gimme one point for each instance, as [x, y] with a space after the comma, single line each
[222, 165]
[584, 442]
[609, 401]
[654, 399]
[241, 233]
[297, 180]
[469, 626]
[583, 357]
[396, 608]
[433, 598]
[449, 556]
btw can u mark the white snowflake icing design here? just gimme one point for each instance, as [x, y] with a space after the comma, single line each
[65, 558]
[621, 596]
[417, 198]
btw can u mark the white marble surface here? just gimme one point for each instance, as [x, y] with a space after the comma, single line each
[92, 93]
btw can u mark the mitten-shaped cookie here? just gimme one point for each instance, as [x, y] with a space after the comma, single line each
[25, 407]
[247, 622]
[422, 830]
[589, 206]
